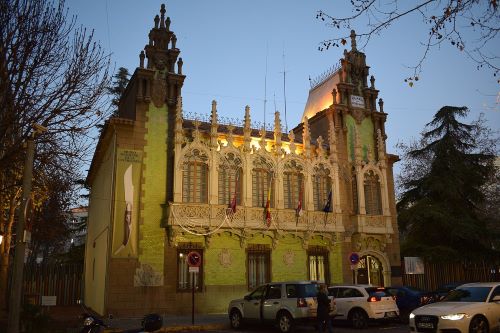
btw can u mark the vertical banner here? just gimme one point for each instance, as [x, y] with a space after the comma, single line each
[127, 189]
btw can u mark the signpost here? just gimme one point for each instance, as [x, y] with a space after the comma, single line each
[354, 260]
[194, 262]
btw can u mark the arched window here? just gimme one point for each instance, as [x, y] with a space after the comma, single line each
[230, 179]
[322, 184]
[354, 191]
[195, 177]
[373, 202]
[293, 184]
[262, 181]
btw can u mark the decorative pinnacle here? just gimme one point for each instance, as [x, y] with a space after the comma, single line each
[157, 20]
[162, 11]
[353, 40]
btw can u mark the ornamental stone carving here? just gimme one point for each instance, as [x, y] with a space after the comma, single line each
[225, 259]
[289, 258]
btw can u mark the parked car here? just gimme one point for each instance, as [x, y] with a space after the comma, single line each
[472, 308]
[409, 298]
[283, 303]
[360, 303]
[444, 289]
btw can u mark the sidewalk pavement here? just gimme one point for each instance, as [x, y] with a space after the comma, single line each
[171, 323]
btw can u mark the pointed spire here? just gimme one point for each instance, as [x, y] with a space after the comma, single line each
[262, 141]
[291, 137]
[213, 125]
[277, 132]
[162, 12]
[306, 138]
[353, 41]
[247, 130]
[179, 134]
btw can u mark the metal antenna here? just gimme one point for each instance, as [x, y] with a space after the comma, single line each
[284, 88]
[265, 86]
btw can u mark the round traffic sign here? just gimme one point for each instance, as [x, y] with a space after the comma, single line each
[194, 259]
[354, 258]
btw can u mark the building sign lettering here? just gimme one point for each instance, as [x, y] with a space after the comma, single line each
[357, 101]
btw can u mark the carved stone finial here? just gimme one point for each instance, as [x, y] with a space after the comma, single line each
[157, 21]
[372, 82]
[291, 137]
[230, 136]
[162, 12]
[263, 133]
[213, 113]
[306, 137]
[167, 23]
[381, 104]
[174, 41]
[247, 131]
[141, 59]
[353, 40]
[179, 66]
[277, 132]
[319, 142]
[334, 96]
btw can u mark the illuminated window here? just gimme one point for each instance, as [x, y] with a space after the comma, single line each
[373, 202]
[258, 263]
[230, 180]
[322, 185]
[262, 177]
[293, 184]
[318, 264]
[195, 177]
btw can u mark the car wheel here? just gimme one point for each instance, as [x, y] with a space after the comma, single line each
[358, 319]
[479, 324]
[235, 319]
[285, 322]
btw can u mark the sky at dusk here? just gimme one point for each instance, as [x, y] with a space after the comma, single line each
[224, 44]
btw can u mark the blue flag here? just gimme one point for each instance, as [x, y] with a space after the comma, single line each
[328, 203]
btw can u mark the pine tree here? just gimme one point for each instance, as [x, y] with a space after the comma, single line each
[120, 81]
[444, 180]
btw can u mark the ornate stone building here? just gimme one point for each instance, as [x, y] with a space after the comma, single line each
[257, 204]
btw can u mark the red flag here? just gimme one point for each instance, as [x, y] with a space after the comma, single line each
[232, 204]
[268, 204]
[298, 210]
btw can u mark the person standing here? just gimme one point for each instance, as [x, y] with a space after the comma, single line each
[323, 312]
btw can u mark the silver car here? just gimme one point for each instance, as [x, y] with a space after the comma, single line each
[283, 303]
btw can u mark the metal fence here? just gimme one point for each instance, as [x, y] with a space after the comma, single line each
[436, 275]
[61, 280]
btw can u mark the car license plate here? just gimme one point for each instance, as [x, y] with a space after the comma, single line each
[391, 314]
[425, 325]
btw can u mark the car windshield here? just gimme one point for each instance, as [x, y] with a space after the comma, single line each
[414, 289]
[468, 294]
[380, 292]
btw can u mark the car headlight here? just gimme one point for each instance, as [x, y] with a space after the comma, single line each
[412, 315]
[454, 316]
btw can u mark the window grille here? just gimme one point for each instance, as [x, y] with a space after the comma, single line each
[322, 185]
[230, 180]
[195, 178]
[318, 264]
[293, 184]
[262, 175]
[259, 268]
[373, 202]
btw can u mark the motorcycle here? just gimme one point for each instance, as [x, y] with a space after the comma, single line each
[92, 324]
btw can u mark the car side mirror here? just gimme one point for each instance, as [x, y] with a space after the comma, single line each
[496, 298]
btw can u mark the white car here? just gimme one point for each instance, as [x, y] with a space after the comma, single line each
[283, 303]
[470, 308]
[360, 303]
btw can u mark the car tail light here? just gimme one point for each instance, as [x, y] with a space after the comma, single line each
[301, 303]
[374, 299]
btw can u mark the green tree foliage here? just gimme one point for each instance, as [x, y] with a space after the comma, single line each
[120, 81]
[470, 26]
[446, 183]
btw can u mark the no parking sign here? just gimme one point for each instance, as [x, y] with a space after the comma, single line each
[353, 259]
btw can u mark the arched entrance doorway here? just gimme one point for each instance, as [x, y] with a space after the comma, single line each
[369, 271]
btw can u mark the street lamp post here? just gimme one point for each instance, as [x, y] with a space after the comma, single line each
[20, 245]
